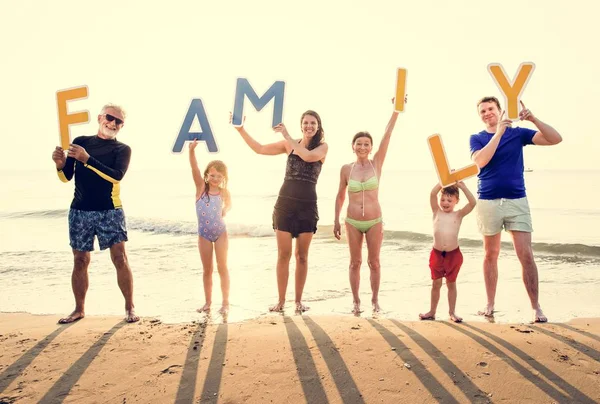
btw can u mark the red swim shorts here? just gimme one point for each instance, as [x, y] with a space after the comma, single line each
[445, 264]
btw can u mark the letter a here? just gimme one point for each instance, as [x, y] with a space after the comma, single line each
[196, 109]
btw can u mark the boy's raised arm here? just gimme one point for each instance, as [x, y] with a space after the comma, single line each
[433, 198]
[468, 208]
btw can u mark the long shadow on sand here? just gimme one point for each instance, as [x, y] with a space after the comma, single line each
[63, 386]
[338, 369]
[307, 371]
[585, 333]
[14, 370]
[435, 388]
[461, 380]
[187, 384]
[212, 383]
[541, 383]
[578, 346]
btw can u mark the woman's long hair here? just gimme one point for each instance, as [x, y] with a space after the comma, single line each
[318, 138]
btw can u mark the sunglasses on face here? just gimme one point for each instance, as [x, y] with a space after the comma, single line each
[111, 118]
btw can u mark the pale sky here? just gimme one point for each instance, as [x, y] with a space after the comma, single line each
[338, 58]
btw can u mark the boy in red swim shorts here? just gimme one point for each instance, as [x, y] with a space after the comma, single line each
[445, 258]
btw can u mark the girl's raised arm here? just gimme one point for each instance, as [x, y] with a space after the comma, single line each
[196, 174]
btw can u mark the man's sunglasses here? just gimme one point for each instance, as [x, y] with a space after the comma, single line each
[111, 118]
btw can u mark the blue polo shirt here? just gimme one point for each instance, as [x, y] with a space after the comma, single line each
[503, 177]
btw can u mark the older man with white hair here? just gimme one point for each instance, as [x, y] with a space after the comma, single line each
[98, 164]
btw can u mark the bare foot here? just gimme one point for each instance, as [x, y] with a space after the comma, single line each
[277, 307]
[76, 315]
[488, 311]
[130, 316]
[455, 318]
[539, 317]
[430, 315]
[225, 317]
[224, 309]
[376, 307]
[356, 310]
[301, 307]
[204, 309]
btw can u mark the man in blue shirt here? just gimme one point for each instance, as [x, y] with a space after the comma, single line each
[502, 202]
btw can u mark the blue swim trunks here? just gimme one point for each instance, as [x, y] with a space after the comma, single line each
[108, 225]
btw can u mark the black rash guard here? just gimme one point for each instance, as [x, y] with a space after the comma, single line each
[97, 183]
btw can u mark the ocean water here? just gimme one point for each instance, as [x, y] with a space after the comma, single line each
[36, 260]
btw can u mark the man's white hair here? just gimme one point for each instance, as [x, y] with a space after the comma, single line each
[113, 106]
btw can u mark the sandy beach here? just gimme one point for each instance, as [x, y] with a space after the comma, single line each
[296, 359]
[182, 70]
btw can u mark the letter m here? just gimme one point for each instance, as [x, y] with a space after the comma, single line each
[243, 88]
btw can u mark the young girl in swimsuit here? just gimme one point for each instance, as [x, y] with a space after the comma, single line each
[363, 218]
[295, 214]
[212, 202]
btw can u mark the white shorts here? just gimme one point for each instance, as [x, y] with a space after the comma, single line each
[511, 214]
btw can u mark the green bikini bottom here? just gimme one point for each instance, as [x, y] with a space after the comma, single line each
[363, 226]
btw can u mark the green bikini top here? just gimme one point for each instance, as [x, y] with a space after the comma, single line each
[368, 185]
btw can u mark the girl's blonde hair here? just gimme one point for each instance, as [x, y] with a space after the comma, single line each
[221, 169]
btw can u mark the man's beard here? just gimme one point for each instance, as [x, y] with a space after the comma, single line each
[110, 134]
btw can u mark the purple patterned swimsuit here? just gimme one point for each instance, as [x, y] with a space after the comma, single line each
[209, 209]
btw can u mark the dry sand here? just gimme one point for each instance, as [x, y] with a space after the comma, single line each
[296, 359]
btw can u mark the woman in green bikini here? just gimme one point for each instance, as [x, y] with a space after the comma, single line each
[363, 218]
